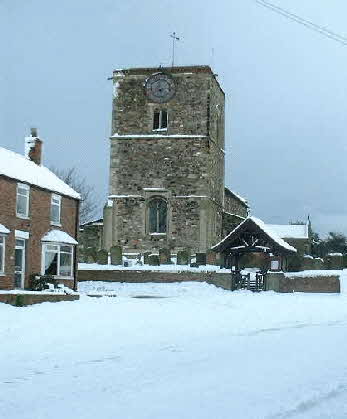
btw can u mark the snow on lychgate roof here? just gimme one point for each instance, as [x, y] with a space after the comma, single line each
[266, 228]
[290, 231]
[16, 166]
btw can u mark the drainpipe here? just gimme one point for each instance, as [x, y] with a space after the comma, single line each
[76, 248]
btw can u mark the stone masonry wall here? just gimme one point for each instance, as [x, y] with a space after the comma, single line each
[188, 172]
[187, 110]
[233, 205]
[176, 164]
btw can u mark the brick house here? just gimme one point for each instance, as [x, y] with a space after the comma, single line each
[38, 220]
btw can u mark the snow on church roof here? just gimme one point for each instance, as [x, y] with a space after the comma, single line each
[236, 195]
[16, 166]
[290, 231]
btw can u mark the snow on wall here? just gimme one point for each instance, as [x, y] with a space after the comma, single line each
[157, 136]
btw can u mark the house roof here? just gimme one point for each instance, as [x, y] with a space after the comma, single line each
[290, 231]
[4, 230]
[58, 236]
[16, 166]
[236, 196]
[256, 226]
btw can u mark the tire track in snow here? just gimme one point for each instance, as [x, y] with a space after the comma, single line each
[295, 326]
[309, 404]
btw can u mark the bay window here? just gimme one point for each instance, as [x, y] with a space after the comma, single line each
[58, 260]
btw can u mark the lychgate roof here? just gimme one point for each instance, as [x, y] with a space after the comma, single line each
[253, 234]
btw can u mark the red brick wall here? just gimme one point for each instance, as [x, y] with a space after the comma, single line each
[37, 225]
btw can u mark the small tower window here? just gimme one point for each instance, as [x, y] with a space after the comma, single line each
[160, 120]
[157, 216]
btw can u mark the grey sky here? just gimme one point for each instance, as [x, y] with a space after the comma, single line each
[285, 89]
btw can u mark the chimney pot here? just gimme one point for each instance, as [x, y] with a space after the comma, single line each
[33, 147]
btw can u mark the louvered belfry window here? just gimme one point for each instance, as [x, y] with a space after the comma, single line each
[160, 120]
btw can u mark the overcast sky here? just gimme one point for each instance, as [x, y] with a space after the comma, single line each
[285, 90]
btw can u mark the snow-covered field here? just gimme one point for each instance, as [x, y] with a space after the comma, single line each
[200, 353]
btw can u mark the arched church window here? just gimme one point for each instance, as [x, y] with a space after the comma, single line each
[157, 215]
[160, 120]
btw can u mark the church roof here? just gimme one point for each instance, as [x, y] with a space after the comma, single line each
[236, 196]
[16, 166]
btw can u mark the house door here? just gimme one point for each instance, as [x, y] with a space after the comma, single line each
[19, 270]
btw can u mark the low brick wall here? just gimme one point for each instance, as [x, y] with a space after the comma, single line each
[218, 279]
[315, 284]
[29, 299]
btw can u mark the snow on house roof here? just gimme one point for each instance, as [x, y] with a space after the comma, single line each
[3, 229]
[16, 166]
[58, 236]
[290, 231]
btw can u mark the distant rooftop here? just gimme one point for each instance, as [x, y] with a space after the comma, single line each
[290, 231]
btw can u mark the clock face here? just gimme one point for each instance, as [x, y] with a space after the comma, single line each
[160, 88]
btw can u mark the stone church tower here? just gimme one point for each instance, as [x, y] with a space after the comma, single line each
[166, 184]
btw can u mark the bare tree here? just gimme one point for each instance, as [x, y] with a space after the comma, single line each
[89, 206]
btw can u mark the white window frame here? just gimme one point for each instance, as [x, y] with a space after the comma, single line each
[161, 119]
[3, 253]
[58, 246]
[57, 198]
[27, 196]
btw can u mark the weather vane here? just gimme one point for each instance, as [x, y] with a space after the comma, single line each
[174, 39]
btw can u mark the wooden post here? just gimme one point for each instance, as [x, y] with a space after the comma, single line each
[236, 262]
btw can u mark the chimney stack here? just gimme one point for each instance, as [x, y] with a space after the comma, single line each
[33, 147]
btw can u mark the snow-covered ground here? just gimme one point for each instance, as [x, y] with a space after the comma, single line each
[201, 353]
